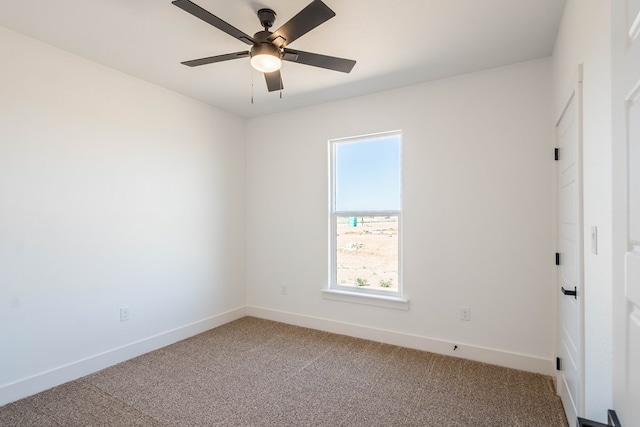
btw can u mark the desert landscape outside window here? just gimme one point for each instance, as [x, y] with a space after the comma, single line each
[365, 235]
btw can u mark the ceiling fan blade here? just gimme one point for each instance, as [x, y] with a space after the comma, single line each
[217, 58]
[317, 60]
[210, 18]
[274, 81]
[306, 20]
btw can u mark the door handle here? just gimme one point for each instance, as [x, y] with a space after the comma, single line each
[573, 293]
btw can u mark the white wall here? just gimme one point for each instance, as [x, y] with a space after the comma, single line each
[584, 37]
[477, 215]
[113, 192]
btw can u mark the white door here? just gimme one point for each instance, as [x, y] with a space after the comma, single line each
[626, 210]
[569, 277]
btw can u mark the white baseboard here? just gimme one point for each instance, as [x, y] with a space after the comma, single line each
[481, 354]
[34, 384]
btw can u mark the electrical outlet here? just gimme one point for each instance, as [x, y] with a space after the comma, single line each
[124, 314]
[283, 290]
[465, 313]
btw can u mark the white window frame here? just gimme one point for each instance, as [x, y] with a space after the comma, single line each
[371, 296]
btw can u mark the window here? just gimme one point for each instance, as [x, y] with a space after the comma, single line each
[365, 220]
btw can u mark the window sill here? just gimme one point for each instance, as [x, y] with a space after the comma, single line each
[368, 299]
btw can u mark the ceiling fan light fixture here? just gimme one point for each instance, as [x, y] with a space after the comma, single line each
[265, 58]
[266, 63]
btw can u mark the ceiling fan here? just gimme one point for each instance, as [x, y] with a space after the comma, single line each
[269, 49]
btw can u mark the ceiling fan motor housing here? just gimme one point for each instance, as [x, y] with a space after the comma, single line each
[264, 46]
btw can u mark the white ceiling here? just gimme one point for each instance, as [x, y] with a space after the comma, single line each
[395, 43]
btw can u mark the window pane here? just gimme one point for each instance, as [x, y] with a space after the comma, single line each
[367, 252]
[367, 175]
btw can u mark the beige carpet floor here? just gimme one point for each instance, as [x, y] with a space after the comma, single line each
[254, 372]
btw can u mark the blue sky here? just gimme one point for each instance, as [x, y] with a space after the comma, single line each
[368, 174]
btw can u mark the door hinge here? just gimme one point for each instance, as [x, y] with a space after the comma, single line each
[558, 364]
[557, 258]
[556, 153]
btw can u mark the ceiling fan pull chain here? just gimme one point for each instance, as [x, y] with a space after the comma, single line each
[251, 71]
